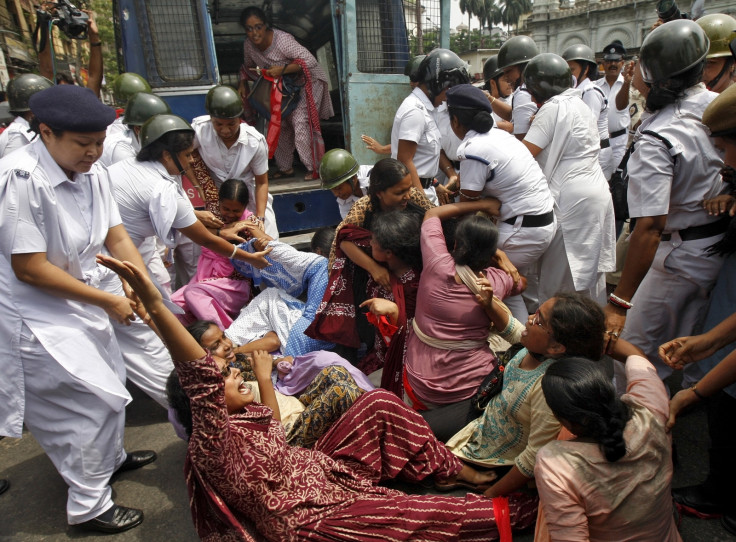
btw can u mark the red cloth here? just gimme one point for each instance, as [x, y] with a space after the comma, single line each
[318, 143]
[242, 470]
[335, 318]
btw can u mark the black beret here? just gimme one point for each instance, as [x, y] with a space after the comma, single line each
[614, 51]
[467, 97]
[72, 108]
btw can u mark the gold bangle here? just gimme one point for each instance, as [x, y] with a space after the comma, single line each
[493, 100]
[699, 395]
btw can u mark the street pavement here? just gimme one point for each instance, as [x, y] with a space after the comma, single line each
[33, 509]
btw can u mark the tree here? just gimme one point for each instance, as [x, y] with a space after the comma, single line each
[103, 13]
[513, 10]
[471, 7]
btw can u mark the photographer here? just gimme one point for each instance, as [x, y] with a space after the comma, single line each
[69, 20]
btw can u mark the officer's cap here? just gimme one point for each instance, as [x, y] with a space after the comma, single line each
[467, 97]
[614, 51]
[72, 108]
[720, 115]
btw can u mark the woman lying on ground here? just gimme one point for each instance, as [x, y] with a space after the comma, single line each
[276, 312]
[614, 480]
[312, 391]
[241, 470]
[517, 422]
[217, 292]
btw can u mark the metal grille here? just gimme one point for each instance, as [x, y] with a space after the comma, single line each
[174, 51]
[391, 31]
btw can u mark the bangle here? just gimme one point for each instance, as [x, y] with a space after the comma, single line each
[620, 303]
[235, 249]
[694, 389]
[218, 232]
[471, 198]
[493, 99]
[96, 44]
[261, 218]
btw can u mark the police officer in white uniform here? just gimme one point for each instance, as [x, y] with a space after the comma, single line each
[584, 67]
[665, 284]
[233, 150]
[62, 374]
[416, 141]
[19, 134]
[513, 57]
[499, 93]
[495, 164]
[616, 88]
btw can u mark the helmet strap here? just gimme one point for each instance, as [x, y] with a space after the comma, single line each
[726, 68]
[175, 159]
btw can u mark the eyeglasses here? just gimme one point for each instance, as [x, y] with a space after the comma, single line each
[225, 371]
[537, 321]
[256, 28]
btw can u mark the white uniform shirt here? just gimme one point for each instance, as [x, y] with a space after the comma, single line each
[450, 142]
[596, 100]
[617, 120]
[151, 201]
[656, 187]
[245, 159]
[564, 128]
[41, 210]
[496, 118]
[18, 134]
[363, 181]
[414, 121]
[116, 126]
[523, 110]
[511, 174]
[120, 145]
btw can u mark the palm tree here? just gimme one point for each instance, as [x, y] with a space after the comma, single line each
[471, 7]
[492, 14]
[513, 9]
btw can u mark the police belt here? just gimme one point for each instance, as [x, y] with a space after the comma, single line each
[426, 182]
[605, 143]
[701, 232]
[617, 133]
[533, 221]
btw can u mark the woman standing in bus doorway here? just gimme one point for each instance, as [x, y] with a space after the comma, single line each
[278, 53]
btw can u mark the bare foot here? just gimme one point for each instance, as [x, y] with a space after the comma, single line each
[470, 475]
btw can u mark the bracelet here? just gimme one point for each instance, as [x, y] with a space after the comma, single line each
[96, 44]
[493, 99]
[218, 232]
[261, 218]
[471, 198]
[618, 302]
[235, 249]
[694, 389]
[435, 183]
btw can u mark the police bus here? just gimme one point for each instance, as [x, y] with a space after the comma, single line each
[184, 47]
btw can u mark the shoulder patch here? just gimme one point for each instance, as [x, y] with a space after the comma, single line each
[23, 174]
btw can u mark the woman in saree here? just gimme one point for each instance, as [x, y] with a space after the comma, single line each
[242, 473]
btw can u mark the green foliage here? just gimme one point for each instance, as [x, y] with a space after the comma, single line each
[103, 10]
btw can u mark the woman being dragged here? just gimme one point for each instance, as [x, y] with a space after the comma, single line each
[517, 422]
[338, 319]
[241, 471]
[217, 292]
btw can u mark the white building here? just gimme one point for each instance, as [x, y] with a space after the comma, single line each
[596, 23]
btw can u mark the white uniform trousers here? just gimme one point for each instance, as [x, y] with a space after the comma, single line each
[79, 432]
[147, 361]
[524, 247]
[672, 300]
[186, 256]
[555, 275]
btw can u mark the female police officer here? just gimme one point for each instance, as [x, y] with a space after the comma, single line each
[61, 369]
[667, 277]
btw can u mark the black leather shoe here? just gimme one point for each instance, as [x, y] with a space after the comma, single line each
[135, 460]
[728, 521]
[697, 501]
[4, 485]
[115, 520]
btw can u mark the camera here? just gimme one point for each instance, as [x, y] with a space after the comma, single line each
[667, 10]
[70, 20]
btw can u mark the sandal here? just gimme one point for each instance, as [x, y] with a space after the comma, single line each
[283, 174]
[310, 176]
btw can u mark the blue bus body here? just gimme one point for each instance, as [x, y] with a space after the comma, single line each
[184, 47]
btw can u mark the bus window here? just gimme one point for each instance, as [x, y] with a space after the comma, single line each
[382, 43]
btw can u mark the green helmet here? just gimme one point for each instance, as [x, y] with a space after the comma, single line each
[21, 88]
[547, 75]
[337, 166]
[127, 84]
[579, 52]
[672, 49]
[411, 70]
[142, 106]
[516, 50]
[491, 69]
[223, 102]
[719, 28]
[159, 125]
